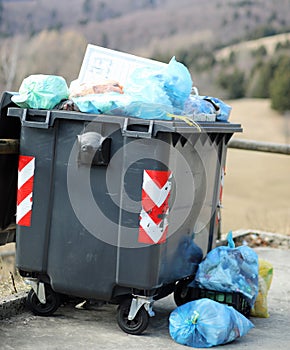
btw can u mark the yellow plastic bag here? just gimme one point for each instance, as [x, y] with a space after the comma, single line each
[260, 308]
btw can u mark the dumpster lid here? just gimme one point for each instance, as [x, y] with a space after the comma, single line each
[44, 119]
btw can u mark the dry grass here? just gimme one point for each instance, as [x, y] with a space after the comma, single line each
[257, 185]
[10, 280]
[268, 42]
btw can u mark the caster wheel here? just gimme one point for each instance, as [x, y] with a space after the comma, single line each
[135, 326]
[53, 301]
[182, 294]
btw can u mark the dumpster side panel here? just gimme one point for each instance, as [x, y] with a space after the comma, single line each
[9, 129]
[79, 261]
[183, 251]
[190, 202]
[138, 262]
[221, 144]
[32, 240]
[211, 152]
[192, 232]
[8, 187]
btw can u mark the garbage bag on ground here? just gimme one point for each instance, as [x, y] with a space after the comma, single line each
[230, 269]
[260, 308]
[41, 91]
[205, 323]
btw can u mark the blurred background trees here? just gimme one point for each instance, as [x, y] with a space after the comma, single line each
[233, 49]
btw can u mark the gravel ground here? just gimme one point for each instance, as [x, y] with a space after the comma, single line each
[256, 238]
[73, 329]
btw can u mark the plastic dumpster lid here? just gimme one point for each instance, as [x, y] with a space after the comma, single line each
[44, 119]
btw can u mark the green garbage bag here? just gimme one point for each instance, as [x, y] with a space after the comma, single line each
[41, 91]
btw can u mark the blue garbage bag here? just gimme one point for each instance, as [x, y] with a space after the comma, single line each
[177, 83]
[157, 93]
[187, 257]
[230, 269]
[101, 103]
[205, 323]
[198, 106]
[224, 109]
[149, 93]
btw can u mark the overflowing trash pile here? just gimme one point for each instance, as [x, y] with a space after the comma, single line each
[230, 269]
[212, 320]
[150, 91]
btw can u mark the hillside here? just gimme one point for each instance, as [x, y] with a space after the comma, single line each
[147, 25]
[37, 36]
[269, 43]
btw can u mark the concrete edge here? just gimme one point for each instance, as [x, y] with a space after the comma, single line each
[243, 232]
[281, 241]
[12, 304]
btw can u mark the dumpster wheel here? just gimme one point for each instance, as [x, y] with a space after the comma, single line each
[135, 326]
[52, 302]
[182, 293]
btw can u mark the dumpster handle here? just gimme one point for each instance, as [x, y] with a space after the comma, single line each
[135, 133]
[28, 120]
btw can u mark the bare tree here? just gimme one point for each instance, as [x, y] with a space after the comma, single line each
[9, 55]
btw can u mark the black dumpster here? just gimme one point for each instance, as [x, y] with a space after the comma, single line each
[113, 208]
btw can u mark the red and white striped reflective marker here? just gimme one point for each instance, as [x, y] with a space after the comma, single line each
[156, 189]
[26, 167]
[222, 185]
[218, 217]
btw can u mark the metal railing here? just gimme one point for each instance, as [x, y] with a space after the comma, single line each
[252, 145]
[11, 146]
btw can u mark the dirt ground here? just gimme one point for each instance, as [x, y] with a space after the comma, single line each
[257, 185]
[10, 280]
